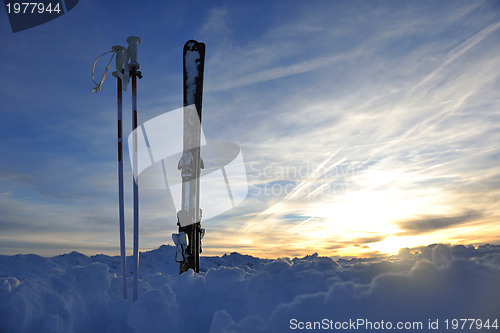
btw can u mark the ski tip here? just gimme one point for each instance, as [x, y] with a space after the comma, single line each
[193, 45]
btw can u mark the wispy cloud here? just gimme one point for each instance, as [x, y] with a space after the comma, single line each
[215, 23]
[284, 71]
[460, 50]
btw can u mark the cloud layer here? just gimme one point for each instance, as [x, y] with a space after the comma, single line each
[236, 293]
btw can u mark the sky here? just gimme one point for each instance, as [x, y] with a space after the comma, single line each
[364, 126]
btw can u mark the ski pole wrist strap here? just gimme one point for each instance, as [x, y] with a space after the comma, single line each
[99, 85]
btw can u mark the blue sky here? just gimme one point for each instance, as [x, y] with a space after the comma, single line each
[365, 126]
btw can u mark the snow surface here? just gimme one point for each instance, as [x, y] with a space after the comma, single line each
[238, 293]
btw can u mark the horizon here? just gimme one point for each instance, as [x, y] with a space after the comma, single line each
[364, 127]
[403, 253]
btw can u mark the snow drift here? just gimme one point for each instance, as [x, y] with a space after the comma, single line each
[237, 293]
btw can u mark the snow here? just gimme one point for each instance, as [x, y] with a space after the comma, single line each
[192, 61]
[239, 293]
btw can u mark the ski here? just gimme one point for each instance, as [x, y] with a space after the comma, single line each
[188, 240]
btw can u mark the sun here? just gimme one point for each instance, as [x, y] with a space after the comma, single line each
[391, 245]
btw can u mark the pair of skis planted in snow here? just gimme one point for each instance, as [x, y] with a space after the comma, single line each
[188, 240]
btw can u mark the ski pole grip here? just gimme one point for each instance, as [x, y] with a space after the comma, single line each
[133, 41]
[121, 58]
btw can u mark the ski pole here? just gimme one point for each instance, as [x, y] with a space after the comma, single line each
[121, 54]
[133, 41]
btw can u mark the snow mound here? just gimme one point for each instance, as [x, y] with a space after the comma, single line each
[239, 293]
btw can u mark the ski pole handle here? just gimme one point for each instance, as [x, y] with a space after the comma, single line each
[121, 59]
[133, 41]
[121, 56]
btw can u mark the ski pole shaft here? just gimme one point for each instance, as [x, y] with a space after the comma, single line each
[120, 188]
[133, 41]
[136, 188]
[120, 58]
